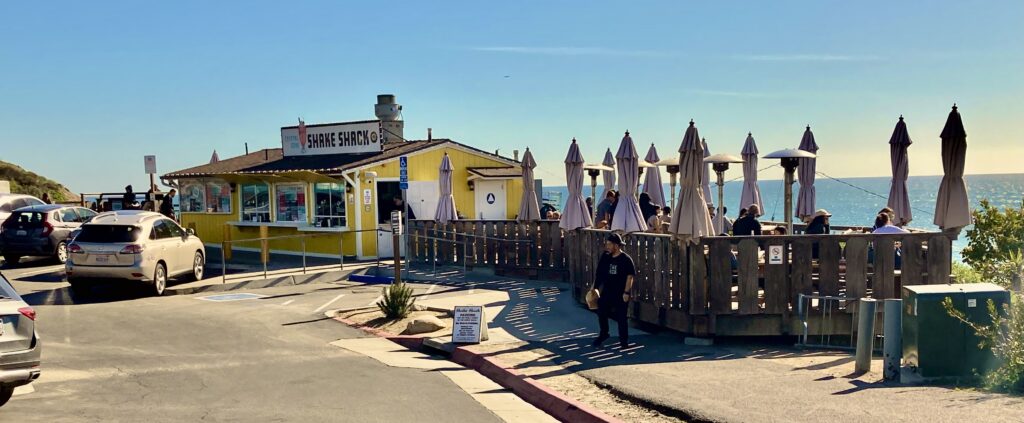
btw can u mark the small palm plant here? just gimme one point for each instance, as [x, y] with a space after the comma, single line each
[397, 301]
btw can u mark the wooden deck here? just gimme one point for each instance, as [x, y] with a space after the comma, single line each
[720, 286]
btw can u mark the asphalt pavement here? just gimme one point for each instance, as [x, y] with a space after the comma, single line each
[117, 354]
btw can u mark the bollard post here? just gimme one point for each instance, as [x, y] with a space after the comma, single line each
[223, 263]
[892, 346]
[341, 250]
[865, 334]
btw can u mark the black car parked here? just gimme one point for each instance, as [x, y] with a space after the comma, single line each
[41, 231]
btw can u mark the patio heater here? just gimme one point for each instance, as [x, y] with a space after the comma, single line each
[720, 164]
[790, 160]
[672, 167]
[594, 170]
[640, 175]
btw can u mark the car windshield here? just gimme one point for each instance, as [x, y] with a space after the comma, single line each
[109, 233]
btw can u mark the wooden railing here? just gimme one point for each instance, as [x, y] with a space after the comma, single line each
[720, 285]
[505, 245]
[725, 285]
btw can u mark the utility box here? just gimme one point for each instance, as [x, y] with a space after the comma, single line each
[937, 345]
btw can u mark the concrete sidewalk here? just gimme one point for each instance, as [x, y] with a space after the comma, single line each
[539, 329]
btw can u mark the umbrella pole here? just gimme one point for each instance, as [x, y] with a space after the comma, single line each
[721, 196]
[789, 199]
[593, 198]
[672, 184]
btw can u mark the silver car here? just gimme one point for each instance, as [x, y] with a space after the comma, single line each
[20, 348]
[134, 245]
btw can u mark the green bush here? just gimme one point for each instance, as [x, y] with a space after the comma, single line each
[995, 243]
[1006, 339]
[965, 274]
[397, 301]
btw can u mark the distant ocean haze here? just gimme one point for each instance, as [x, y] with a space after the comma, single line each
[856, 205]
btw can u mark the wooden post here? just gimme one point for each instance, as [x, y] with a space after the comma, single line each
[227, 245]
[264, 244]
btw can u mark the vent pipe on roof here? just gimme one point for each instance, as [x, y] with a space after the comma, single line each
[266, 155]
[430, 134]
[515, 155]
[246, 149]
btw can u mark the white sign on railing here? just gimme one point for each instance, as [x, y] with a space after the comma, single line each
[774, 254]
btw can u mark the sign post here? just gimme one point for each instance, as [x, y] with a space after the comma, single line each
[403, 184]
[396, 235]
[150, 163]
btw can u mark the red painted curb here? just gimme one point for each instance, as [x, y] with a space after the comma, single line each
[550, 401]
[544, 398]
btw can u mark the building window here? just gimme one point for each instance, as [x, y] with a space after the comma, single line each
[255, 203]
[291, 202]
[218, 197]
[329, 200]
[193, 197]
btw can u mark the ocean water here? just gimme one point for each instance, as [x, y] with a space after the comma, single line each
[855, 201]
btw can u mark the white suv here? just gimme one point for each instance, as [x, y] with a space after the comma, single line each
[134, 245]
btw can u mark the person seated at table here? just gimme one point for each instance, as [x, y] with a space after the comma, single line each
[654, 222]
[779, 230]
[748, 224]
[883, 225]
[647, 208]
[819, 223]
[884, 210]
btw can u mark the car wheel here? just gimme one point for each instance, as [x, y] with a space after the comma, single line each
[159, 279]
[61, 255]
[12, 260]
[5, 394]
[198, 265]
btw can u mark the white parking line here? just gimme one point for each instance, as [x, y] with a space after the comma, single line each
[375, 300]
[329, 303]
[288, 302]
[40, 272]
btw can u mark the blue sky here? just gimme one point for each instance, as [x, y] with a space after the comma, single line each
[88, 88]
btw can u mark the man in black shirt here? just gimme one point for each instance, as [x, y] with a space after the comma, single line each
[748, 224]
[615, 273]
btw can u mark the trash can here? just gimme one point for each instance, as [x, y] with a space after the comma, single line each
[937, 345]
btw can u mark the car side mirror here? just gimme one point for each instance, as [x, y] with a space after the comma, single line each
[190, 232]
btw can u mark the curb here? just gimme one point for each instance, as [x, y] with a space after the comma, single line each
[554, 403]
[326, 276]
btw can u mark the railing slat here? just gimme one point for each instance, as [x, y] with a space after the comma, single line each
[720, 275]
[748, 277]
[776, 282]
[801, 277]
[856, 269]
[939, 254]
[698, 280]
[912, 262]
[882, 280]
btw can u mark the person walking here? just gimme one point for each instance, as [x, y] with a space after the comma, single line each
[167, 205]
[615, 274]
[748, 224]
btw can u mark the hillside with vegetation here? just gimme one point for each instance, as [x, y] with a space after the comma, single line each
[26, 182]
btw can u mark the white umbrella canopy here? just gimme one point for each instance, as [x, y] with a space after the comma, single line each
[690, 219]
[446, 202]
[529, 208]
[805, 174]
[575, 215]
[751, 193]
[705, 177]
[608, 175]
[951, 208]
[652, 178]
[628, 218]
[899, 199]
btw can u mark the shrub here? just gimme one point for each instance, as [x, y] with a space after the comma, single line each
[1005, 336]
[397, 301]
[965, 274]
[995, 242]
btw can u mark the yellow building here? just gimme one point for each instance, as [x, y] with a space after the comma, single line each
[340, 183]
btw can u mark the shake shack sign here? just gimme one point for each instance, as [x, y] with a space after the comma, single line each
[332, 138]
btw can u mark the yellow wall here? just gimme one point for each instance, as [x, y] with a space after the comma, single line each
[423, 166]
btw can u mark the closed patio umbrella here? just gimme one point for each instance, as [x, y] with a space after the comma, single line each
[528, 206]
[608, 175]
[705, 177]
[575, 215]
[751, 191]
[690, 219]
[652, 179]
[628, 217]
[446, 202]
[899, 200]
[805, 174]
[951, 208]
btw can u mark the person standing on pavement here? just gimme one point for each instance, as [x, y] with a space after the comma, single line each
[128, 198]
[615, 274]
[167, 205]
